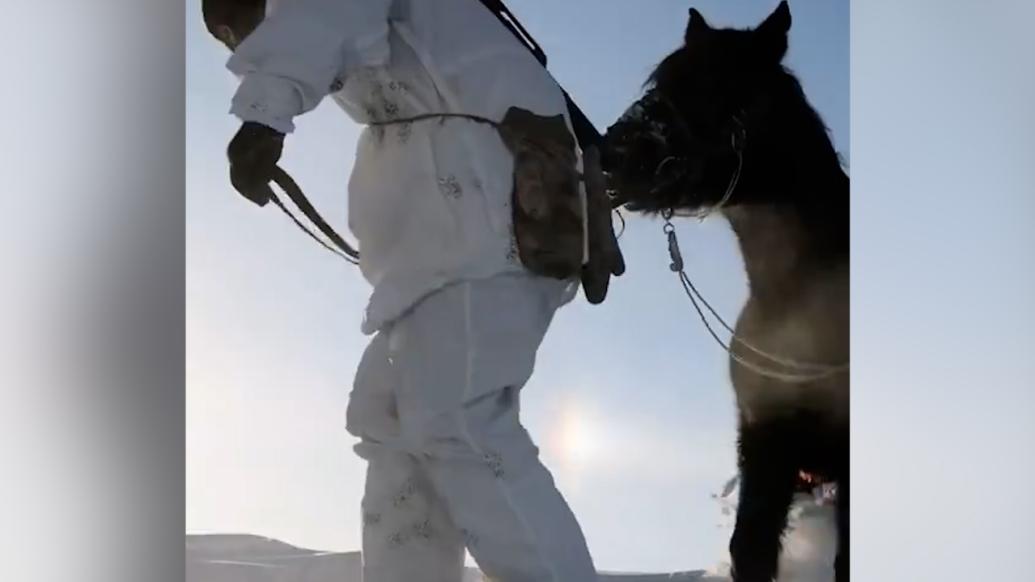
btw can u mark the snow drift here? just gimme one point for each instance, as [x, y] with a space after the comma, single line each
[245, 558]
[810, 546]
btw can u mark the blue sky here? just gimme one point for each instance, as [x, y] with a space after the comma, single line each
[630, 401]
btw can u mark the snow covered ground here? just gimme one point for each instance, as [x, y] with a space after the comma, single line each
[808, 557]
[243, 558]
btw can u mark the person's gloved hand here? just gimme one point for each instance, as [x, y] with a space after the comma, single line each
[254, 153]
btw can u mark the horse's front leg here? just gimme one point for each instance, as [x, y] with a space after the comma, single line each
[768, 471]
[841, 569]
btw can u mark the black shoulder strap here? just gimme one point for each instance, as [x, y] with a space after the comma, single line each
[585, 131]
[505, 16]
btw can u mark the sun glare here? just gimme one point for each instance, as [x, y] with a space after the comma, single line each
[578, 439]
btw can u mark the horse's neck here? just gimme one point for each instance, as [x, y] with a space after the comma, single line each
[783, 243]
[772, 243]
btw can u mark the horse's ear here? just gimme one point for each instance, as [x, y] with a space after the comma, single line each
[772, 33]
[696, 25]
[777, 23]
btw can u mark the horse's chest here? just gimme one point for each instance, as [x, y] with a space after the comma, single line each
[814, 330]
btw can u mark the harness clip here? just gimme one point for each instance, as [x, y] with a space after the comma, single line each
[673, 249]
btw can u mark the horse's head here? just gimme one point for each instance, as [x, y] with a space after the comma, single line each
[707, 120]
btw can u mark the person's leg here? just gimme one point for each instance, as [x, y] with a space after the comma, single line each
[407, 533]
[515, 522]
[464, 355]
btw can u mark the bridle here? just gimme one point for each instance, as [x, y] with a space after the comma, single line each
[738, 143]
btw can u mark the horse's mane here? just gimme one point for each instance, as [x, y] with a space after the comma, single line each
[789, 91]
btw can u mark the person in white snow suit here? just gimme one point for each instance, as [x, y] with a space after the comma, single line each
[472, 226]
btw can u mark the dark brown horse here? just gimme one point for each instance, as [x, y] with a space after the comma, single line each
[724, 127]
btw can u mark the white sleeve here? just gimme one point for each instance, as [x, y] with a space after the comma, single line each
[291, 60]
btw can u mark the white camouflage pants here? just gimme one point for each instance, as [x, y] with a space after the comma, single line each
[435, 404]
